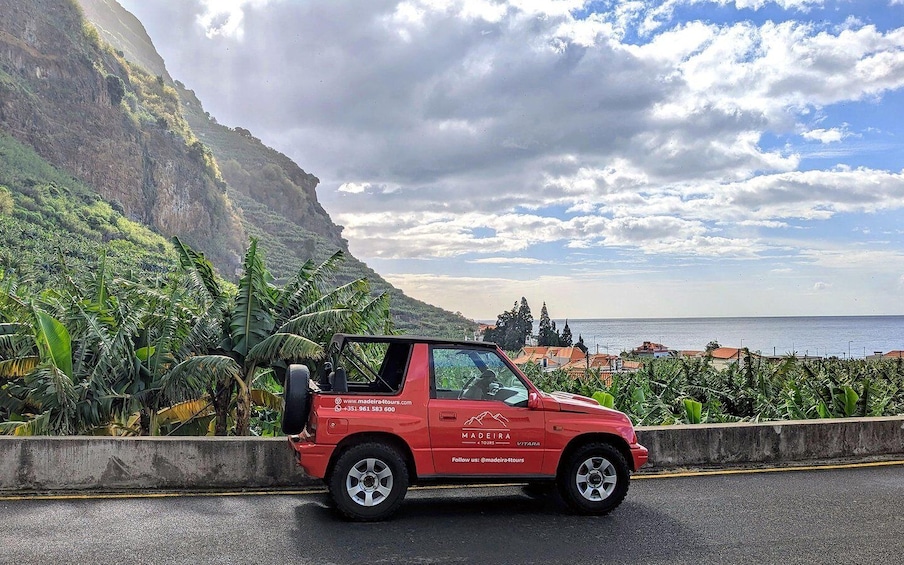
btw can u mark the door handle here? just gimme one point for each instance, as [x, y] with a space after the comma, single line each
[448, 416]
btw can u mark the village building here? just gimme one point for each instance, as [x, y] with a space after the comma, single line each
[652, 350]
[724, 356]
[549, 358]
[878, 355]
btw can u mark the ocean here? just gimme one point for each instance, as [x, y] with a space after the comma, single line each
[841, 336]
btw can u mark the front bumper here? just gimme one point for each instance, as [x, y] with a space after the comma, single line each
[639, 455]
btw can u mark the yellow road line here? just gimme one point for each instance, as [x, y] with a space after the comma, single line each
[664, 475]
[716, 472]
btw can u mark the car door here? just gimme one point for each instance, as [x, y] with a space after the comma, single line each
[478, 416]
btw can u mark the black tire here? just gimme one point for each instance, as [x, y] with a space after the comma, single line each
[369, 482]
[297, 398]
[594, 479]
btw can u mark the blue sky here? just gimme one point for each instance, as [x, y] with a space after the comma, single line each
[613, 159]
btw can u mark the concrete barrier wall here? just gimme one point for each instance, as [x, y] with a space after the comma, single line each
[120, 464]
[772, 442]
[98, 463]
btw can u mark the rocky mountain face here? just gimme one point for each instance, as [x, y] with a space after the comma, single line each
[82, 84]
[83, 109]
[254, 173]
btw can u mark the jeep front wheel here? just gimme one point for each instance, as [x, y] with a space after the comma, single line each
[369, 482]
[594, 479]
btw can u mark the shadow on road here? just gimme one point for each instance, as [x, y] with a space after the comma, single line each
[475, 526]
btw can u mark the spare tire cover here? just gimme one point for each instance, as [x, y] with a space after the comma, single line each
[297, 397]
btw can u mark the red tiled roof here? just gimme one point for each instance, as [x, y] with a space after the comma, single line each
[897, 354]
[726, 353]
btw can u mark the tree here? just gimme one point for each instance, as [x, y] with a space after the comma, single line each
[580, 344]
[75, 358]
[265, 327]
[712, 346]
[512, 327]
[546, 332]
[566, 337]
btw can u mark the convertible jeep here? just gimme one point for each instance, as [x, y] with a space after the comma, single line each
[385, 412]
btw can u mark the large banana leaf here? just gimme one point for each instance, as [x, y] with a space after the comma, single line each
[266, 399]
[314, 323]
[340, 296]
[19, 367]
[252, 319]
[185, 411]
[54, 340]
[199, 269]
[36, 426]
[284, 347]
[193, 377]
[693, 411]
[305, 287]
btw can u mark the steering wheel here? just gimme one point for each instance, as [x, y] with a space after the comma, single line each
[477, 388]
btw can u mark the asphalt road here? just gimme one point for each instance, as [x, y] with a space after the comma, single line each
[824, 516]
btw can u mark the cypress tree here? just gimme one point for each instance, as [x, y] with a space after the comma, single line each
[566, 340]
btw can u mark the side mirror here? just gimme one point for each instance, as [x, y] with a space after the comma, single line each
[533, 401]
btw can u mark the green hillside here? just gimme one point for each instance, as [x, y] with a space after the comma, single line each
[46, 215]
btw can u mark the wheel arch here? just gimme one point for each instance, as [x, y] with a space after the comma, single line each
[612, 439]
[387, 438]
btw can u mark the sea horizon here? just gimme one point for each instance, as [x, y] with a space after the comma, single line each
[823, 336]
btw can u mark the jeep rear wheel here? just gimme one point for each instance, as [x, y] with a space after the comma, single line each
[297, 399]
[594, 479]
[369, 482]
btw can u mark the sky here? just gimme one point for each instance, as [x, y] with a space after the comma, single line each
[614, 159]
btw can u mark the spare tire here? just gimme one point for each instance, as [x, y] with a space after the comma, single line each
[297, 398]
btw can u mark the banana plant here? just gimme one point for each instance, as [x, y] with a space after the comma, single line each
[265, 326]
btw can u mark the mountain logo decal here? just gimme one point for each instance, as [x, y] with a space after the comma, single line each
[486, 418]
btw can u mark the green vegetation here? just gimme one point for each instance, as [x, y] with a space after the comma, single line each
[668, 391]
[182, 353]
[46, 215]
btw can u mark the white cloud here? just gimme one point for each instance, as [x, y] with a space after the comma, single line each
[515, 134]
[353, 187]
[226, 17]
[831, 135]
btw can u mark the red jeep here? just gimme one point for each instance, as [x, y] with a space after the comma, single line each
[389, 411]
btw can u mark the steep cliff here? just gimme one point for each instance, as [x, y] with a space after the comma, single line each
[278, 199]
[84, 109]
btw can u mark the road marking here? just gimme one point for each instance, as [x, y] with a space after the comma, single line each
[716, 472]
[664, 475]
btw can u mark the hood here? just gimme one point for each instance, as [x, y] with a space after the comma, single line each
[581, 404]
